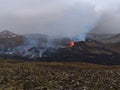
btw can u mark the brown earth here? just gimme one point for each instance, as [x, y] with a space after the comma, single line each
[22, 75]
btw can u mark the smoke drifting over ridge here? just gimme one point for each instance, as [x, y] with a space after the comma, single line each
[64, 18]
[109, 23]
[74, 22]
[56, 18]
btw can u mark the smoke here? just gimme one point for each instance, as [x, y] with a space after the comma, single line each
[75, 22]
[60, 18]
[109, 23]
[73, 19]
[70, 18]
[109, 11]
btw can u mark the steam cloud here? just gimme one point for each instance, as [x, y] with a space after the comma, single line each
[57, 18]
[64, 18]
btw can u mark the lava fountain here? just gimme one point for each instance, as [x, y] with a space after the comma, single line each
[72, 44]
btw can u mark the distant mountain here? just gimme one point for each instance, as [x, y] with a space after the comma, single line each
[113, 39]
[113, 42]
[7, 34]
[99, 37]
[10, 40]
[105, 38]
[44, 48]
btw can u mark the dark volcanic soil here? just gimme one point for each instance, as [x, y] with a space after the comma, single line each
[89, 51]
[21, 75]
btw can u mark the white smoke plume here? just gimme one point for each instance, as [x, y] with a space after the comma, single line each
[63, 18]
[67, 18]
[58, 19]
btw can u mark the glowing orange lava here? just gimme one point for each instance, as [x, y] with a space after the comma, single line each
[72, 44]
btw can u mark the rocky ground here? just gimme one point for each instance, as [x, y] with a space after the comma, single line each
[23, 75]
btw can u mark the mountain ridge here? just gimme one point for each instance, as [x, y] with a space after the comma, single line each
[6, 34]
[43, 48]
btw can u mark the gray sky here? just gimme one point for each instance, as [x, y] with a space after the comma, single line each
[59, 17]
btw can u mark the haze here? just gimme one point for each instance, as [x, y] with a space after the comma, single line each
[60, 17]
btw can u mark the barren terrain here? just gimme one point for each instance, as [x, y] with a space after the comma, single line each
[23, 75]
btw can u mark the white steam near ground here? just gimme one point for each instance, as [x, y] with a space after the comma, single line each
[63, 18]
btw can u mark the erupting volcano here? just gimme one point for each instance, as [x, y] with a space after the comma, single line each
[72, 44]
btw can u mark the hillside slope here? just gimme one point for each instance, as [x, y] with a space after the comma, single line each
[10, 40]
[21, 75]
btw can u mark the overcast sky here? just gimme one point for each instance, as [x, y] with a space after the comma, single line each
[60, 17]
